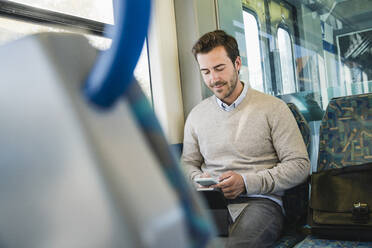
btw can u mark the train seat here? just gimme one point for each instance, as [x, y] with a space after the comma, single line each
[306, 103]
[308, 106]
[345, 132]
[295, 200]
[302, 124]
[345, 140]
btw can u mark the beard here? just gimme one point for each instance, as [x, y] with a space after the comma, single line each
[231, 85]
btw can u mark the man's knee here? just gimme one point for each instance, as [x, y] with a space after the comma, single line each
[259, 225]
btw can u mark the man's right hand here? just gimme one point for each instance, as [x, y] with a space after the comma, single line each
[231, 184]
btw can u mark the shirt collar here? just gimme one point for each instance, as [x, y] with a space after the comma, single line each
[235, 104]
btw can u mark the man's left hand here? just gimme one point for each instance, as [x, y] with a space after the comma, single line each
[231, 184]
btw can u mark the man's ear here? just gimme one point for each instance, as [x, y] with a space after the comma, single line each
[238, 63]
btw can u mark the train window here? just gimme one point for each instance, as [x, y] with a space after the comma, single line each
[31, 20]
[14, 29]
[355, 55]
[98, 10]
[286, 61]
[253, 51]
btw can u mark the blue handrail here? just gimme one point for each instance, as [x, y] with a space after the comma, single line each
[112, 76]
[113, 72]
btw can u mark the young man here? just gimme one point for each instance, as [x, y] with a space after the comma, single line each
[247, 139]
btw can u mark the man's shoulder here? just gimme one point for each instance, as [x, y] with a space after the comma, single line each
[199, 112]
[266, 100]
[203, 107]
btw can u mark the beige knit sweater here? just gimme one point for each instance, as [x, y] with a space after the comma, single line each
[259, 139]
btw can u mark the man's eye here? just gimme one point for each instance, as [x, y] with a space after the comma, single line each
[205, 72]
[220, 68]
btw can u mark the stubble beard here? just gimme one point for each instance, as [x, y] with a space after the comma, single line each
[234, 83]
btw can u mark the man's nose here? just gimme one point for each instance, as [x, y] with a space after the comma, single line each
[214, 77]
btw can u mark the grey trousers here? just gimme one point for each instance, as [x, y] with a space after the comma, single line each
[259, 225]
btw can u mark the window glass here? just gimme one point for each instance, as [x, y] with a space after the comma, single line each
[11, 30]
[355, 56]
[97, 10]
[253, 51]
[286, 61]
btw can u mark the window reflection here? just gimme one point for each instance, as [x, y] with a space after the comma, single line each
[253, 51]
[286, 61]
[355, 56]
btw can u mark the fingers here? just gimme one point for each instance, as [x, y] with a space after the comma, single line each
[226, 180]
[205, 174]
[226, 175]
[231, 194]
[232, 184]
[227, 188]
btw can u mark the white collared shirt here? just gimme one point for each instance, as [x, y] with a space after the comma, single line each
[238, 100]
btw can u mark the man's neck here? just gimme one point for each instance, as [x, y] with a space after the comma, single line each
[235, 94]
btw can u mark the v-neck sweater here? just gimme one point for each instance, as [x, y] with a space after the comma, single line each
[259, 139]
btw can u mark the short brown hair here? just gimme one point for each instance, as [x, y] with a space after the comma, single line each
[214, 39]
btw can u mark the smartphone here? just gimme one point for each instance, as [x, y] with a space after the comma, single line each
[206, 181]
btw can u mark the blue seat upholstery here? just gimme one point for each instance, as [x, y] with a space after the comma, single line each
[345, 132]
[295, 200]
[307, 104]
[345, 140]
[177, 149]
[302, 124]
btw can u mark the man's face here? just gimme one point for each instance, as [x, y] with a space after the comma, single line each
[219, 73]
